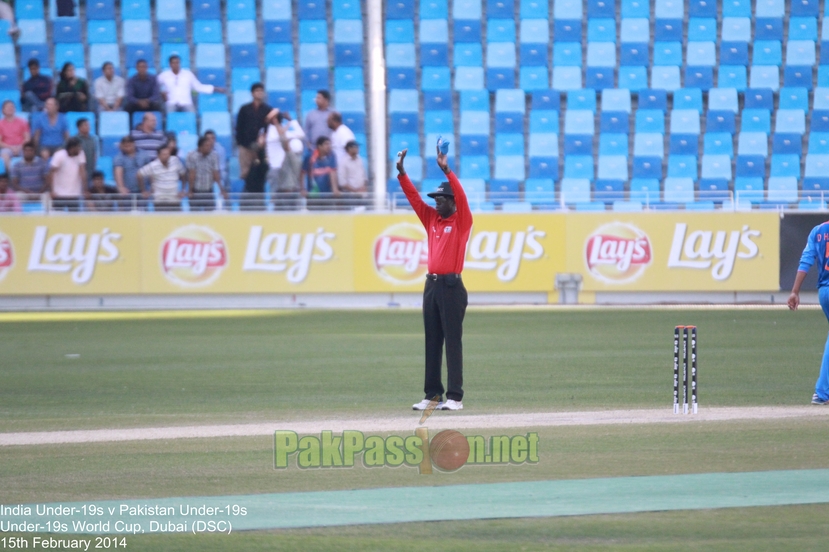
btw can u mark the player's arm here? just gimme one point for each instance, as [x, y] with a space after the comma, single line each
[807, 259]
[417, 203]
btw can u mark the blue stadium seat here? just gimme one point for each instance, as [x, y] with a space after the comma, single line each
[212, 102]
[701, 54]
[736, 29]
[534, 78]
[718, 143]
[613, 167]
[438, 122]
[540, 191]
[566, 78]
[753, 143]
[67, 53]
[240, 31]
[790, 121]
[29, 9]
[579, 122]
[137, 32]
[509, 143]
[723, 99]
[682, 166]
[577, 190]
[314, 55]
[613, 143]
[665, 78]
[648, 144]
[242, 78]
[474, 122]
[313, 31]
[601, 30]
[579, 167]
[181, 122]
[284, 101]
[535, 31]
[749, 188]
[721, 121]
[244, 55]
[667, 29]
[800, 52]
[567, 54]
[434, 55]
[314, 9]
[732, 76]
[113, 126]
[32, 31]
[699, 77]
[701, 29]
[581, 100]
[798, 76]
[398, 31]
[765, 76]
[8, 79]
[240, 10]
[207, 31]
[816, 173]
[277, 31]
[402, 101]
[679, 190]
[688, 98]
[348, 55]
[355, 121]
[601, 54]
[785, 165]
[135, 52]
[759, 98]
[614, 122]
[313, 79]
[533, 55]
[509, 167]
[545, 121]
[500, 30]
[500, 8]
[685, 121]
[172, 31]
[647, 167]
[349, 78]
[782, 189]
[644, 189]
[66, 31]
[348, 9]
[500, 54]
[280, 78]
[751, 165]
[802, 28]
[634, 79]
[469, 78]
[472, 145]
[135, 9]
[818, 142]
[650, 120]
[769, 28]
[278, 55]
[600, 78]
[212, 9]
[734, 53]
[475, 166]
[101, 32]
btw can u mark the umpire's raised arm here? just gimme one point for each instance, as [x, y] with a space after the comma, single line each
[409, 189]
[461, 201]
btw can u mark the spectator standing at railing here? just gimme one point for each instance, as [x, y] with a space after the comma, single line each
[250, 121]
[340, 136]
[221, 152]
[89, 144]
[316, 121]
[178, 85]
[253, 193]
[36, 90]
[285, 157]
[203, 172]
[102, 196]
[14, 132]
[68, 174]
[126, 165]
[351, 174]
[30, 175]
[72, 92]
[110, 90]
[321, 168]
[163, 176]
[147, 137]
[143, 91]
[50, 129]
[9, 199]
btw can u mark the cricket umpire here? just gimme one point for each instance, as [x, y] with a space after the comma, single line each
[444, 297]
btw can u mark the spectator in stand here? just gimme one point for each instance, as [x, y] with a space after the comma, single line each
[351, 175]
[72, 92]
[31, 175]
[9, 200]
[14, 132]
[203, 171]
[7, 13]
[50, 129]
[143, 90]
[321, 169]
[109, 90]
[68, 176]
[163, 176]
[249, 123]
[126, 165]
[102, 196]
[178, 85]
[340, 136]
[89, 144]
[254, 190]
[221, 152]
[147, 138]
[316, 121]
[36, 90]
[285, 148]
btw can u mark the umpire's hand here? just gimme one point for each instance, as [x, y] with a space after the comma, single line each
[400, 157]
[443, 161]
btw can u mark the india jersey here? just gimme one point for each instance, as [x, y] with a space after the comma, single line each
[817, 249]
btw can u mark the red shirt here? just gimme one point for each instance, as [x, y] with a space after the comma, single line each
[447, 236]
[13, 133]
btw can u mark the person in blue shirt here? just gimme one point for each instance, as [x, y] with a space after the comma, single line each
[817, 249]
[49, 129]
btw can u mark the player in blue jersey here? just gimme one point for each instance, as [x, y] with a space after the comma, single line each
[817, 249]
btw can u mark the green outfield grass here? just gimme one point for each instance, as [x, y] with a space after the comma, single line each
[369, 363]
[327, 363]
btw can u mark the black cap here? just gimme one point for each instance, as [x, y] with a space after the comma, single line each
[445, 189]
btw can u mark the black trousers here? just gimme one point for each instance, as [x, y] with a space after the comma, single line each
[444, 306]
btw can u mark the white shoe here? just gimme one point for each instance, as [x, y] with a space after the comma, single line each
[424, 404]
[451, 405]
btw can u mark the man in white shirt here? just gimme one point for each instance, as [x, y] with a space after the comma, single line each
[68, 174]
[164, 175]
[177, 87]
[273, 143]
[109, 89]
[340, 136]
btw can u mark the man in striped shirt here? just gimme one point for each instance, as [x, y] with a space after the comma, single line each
[147, 138]
[203, 171]
[163, 175]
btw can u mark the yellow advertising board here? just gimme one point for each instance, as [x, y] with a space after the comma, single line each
[675, 251]
[70, 255]
[506, 252]
[247, 254]
[342, 253]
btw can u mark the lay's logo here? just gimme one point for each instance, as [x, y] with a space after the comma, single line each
[6, 255]
[193, 256]
[617, 253]
[401, 254]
